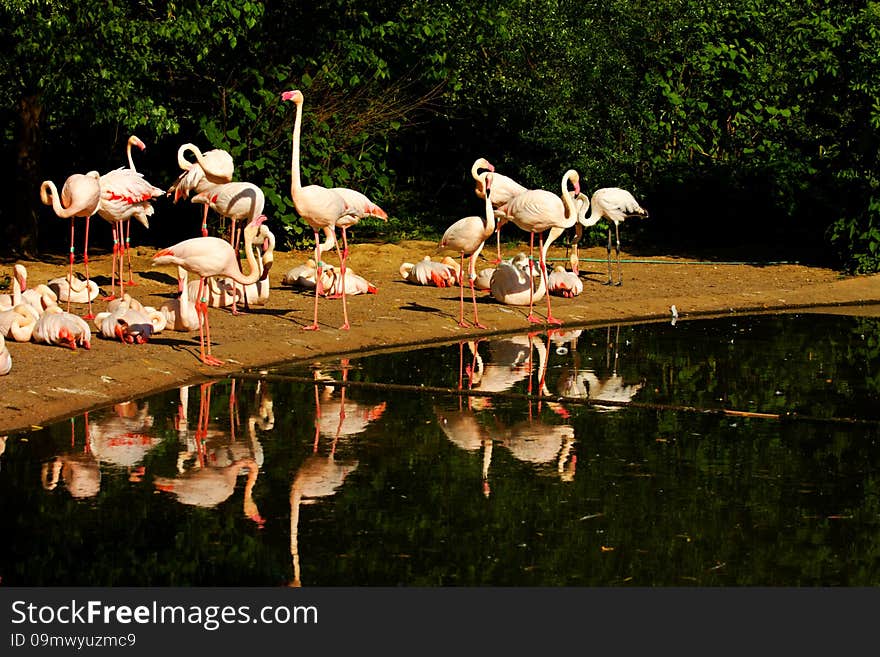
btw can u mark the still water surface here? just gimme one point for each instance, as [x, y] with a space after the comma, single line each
[729, 452]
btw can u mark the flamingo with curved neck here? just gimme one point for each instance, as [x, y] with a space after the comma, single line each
[212, 256]
[537, 210]
[80, 197]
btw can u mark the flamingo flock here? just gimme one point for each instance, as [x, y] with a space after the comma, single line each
[209, 268]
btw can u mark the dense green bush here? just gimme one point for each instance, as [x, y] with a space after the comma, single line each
[751, 126]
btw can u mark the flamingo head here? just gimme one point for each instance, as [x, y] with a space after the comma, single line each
[135, 141]
[295, 95]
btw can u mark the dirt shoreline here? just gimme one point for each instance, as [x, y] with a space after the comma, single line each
[50, 383]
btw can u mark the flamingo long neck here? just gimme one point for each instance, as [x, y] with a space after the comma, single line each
[53, 199]
[568, 197]
[295, 184]
[254, 269]
[130, 159]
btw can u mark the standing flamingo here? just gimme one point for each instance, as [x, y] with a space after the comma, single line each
[80, 197]
[234, 200]
[537, 210]
[364, 207]
[615, 205]
[124, 194]
[134, 140]
[321, 208]
[215, 167]
[467, 236]
[504, 189]
[212, 256]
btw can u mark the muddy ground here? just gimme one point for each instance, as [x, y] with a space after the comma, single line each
[49, 383]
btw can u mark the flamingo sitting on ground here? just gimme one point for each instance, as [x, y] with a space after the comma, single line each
[430, 272]
[80, 197]
[538, 210]
[513, 282]
[321, 208]
[212, 256]
[180, 313]
[504, 189]
[564, 283]
[467, 236]
[614, 205]
[18, 323]
[62, 328]
[76, 289]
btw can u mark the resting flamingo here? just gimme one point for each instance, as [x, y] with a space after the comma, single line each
[80, 197]
[504, 189]
[614, 205]
[537, 210]
[212, 256]
[467, 236]
[5, 358]
[125, 193]
[321, 208]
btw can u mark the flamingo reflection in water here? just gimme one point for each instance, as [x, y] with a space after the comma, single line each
[77, 468]
[320, 476]
[209, 467]
[588, 384]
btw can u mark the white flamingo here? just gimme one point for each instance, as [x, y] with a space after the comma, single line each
[614, 205]
[504, 189]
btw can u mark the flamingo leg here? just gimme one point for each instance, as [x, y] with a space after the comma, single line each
[345, 325]
[70, 269]
[205, 333]
[90, 314]
[205, 221]
[608, 282]
[533, 319]
[461, 321]
[543, 262]
[319, 286]
[131, 280]
[617, 250]
[472, 276]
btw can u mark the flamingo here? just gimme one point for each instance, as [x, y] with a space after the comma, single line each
[214, 167]
[125, 193]
[130, 321]
[429, 272]
[513, 282]
[321, 208]
[467, 236]
[504, 189]
[564, 283]
[76, 289]
[18, 323]
[62, 328]
[133, 140]
[614, 205]
[233, 200]
[181, 313]
[5, 358]
[80, 197]
[537, 210]
[212, 256]
[364, 207]
[19, 283]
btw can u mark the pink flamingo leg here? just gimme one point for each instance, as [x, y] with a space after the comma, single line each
[461, 321]
[319, 286]
[131, 280]
[90, 314]
[70, 269]
[472, 277]
[550, 318]
[345, 325]
[205, 334]
[533, 318]
[205, 222]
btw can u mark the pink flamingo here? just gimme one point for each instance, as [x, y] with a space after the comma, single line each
[234, 200]
[537, 210]
[504, 189]
[212, 256]
[321, 208]
[215, 167]
[467, 236]
[124, 194]
[364, 207]
[134, 140]
[80, 197]
[610, 203]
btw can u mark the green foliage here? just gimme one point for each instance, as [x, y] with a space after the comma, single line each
[765, 114]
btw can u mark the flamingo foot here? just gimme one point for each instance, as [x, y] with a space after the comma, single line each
[552, 320]
[208, 359]
[310, 327]
[345, 327]
[333, 296]
[131, 282]
[534, 319]
[89, 316]
[464, 324]
[108, 297]
[479, 325]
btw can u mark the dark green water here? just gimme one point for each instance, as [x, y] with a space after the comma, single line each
[266, 483]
